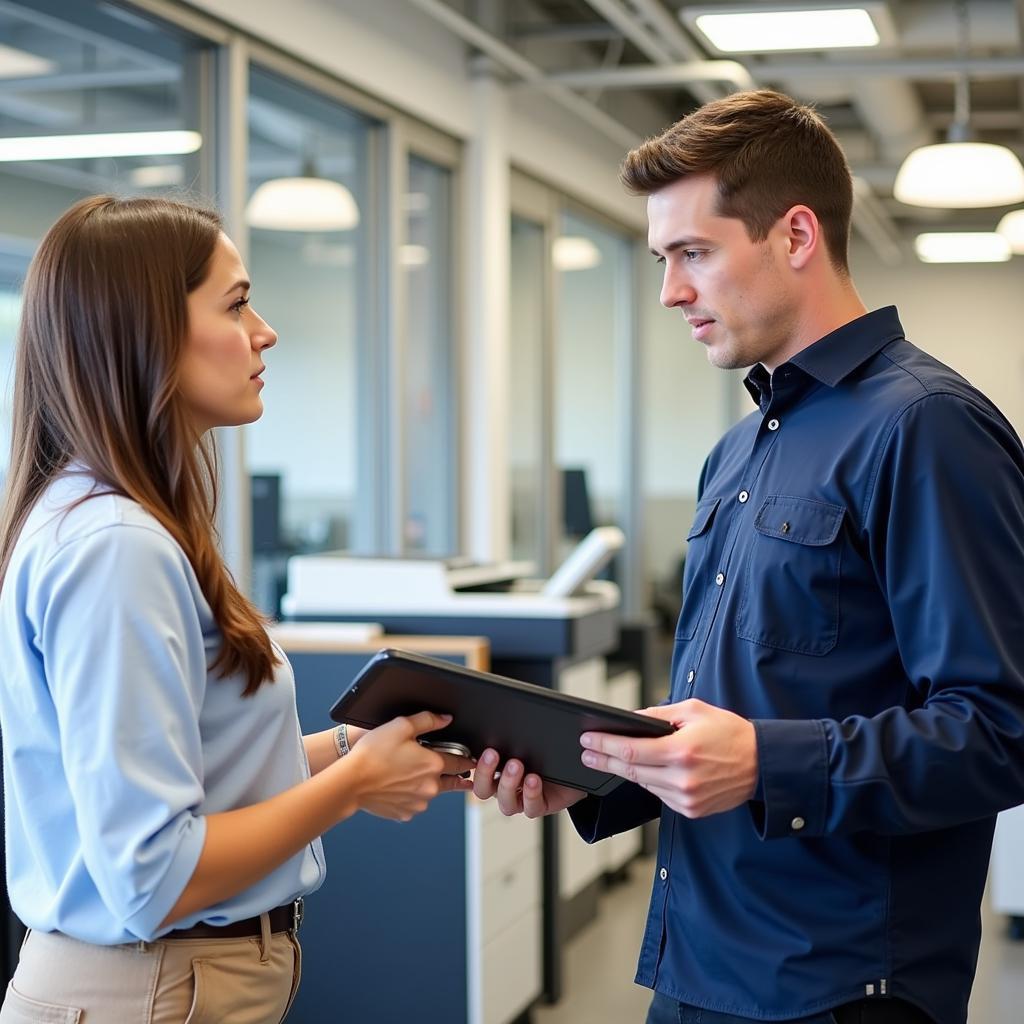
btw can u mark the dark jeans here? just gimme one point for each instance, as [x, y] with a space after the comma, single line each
[866, 1011]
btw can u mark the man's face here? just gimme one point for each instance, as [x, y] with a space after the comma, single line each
[736, 294]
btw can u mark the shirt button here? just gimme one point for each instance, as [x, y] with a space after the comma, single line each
[690, 676]
[773, 424]
[663, 874]
[797, 823]
[720, 578]
[743, 497]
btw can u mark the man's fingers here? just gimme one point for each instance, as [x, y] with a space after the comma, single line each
[629, 750]
[642, 774]
[484, 783]
[510, 800]
[534, 804]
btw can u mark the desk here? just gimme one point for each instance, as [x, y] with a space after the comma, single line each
[438, 919]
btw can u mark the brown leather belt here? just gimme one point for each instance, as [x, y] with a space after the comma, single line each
[282, 919]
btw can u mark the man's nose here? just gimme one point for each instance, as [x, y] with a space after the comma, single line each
[676, 290]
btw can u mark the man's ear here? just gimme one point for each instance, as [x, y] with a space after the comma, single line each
[803, 235]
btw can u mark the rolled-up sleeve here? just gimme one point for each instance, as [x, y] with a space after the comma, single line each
[125, 662]
[944, 529]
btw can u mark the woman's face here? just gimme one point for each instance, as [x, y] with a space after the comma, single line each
[223, 357]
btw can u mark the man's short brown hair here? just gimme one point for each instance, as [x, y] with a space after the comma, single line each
[768, 154]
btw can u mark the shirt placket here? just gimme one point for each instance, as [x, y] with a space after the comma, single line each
[779, 401]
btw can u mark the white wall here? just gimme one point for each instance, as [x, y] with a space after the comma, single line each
[969, 316]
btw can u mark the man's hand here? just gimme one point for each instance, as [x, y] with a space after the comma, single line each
[529, 795]
[707, 766]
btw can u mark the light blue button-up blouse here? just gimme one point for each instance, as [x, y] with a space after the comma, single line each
[117, 739]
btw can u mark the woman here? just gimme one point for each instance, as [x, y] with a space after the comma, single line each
[163, 811]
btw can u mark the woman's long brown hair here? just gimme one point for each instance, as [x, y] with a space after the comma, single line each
[104, 323]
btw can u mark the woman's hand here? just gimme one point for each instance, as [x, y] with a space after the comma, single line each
[398, 776]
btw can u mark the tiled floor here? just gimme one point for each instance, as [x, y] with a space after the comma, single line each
[601, 959]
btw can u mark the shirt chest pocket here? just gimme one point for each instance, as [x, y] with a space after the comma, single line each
[790, 595]
[697, 553]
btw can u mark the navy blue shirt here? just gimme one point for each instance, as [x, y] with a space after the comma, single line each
[854, 585]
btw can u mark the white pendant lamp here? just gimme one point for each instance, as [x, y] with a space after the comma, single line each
[1011, 227]
[960, 173]
[305, 203]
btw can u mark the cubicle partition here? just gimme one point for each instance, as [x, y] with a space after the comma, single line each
[437, 919]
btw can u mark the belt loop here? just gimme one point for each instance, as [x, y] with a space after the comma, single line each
[264, 937]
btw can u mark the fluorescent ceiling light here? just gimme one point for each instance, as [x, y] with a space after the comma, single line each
[749, 28]
[962, 247]
[82, 147]
[157, 175]
[574, 252]
[20, 64]
[965, 175]
[1011, 227]
[414, 256]
[302, 204]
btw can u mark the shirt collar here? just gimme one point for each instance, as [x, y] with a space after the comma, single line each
[834, 357]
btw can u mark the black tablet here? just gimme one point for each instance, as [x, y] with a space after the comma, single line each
[538, 726]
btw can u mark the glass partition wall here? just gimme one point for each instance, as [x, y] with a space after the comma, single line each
[430, 450]
[574, 459]
[310, 220]
[93, 76]
[357, 449]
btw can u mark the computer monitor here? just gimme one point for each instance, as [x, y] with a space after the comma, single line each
[265, 496]
[576, 515]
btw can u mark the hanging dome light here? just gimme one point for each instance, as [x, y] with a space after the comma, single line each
[1011, 227]
[305, 203]
[960, 173]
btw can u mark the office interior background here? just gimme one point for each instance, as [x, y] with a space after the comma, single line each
[473, 364]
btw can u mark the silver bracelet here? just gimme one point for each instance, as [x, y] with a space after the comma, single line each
[341, 740]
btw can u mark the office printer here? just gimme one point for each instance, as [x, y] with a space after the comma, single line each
[553, 617]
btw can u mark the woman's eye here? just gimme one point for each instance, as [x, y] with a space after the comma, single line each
[238, 306]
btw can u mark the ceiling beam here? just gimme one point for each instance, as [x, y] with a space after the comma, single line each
[512, 61]
[663, 76]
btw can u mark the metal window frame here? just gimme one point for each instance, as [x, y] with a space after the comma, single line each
[545, 204]
[394, 138]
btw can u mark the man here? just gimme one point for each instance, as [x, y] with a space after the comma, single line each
[848, 672]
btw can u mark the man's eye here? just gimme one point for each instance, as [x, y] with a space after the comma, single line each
[692, 255]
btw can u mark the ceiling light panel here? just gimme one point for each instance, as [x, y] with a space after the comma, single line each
[772, 28]
[22, 64]
[962, 247]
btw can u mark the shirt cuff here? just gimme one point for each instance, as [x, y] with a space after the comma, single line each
[625, 807]
[793, 778]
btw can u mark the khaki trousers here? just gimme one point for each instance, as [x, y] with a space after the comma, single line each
[60, 980]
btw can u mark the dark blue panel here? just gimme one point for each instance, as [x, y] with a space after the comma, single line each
[384, 939]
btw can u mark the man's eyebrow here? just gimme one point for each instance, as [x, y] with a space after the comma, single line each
[681, 243]
[241, 283]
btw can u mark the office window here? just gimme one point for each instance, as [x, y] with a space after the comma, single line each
[430, 457]
[77, 67]
[528, 270]
[310, 222]
[594, 312]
